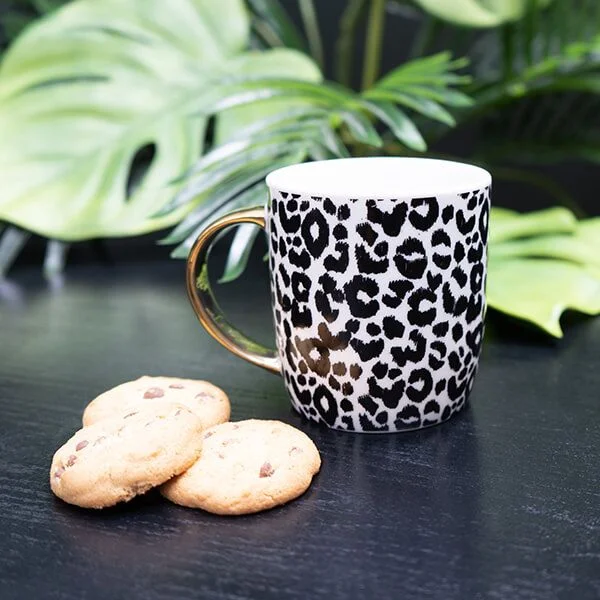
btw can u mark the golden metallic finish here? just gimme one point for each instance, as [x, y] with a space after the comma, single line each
[203, 300]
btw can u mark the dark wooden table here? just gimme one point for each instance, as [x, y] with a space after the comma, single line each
[501, 502]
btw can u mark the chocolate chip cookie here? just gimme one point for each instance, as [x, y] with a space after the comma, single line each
[116, 459]
[208, 401]
[246, 467]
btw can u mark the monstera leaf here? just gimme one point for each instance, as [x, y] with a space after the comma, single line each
[543, 263]
[103, 105]
[479, 13]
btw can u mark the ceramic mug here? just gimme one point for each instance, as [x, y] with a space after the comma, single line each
[378, 269]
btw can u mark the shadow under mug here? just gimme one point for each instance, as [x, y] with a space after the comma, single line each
[377, 269]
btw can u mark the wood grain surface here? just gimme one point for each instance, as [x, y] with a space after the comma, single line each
[501, 502]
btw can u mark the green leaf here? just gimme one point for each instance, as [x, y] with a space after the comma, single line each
[239, 252]
[542, 264]
[281, 28]
[400, 125]
[478, 13]
[83, 91]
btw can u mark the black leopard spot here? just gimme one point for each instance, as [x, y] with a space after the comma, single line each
[303, 367]
[459, 276]
[452, 305]
[422, 384]
[440, 238]
[352, 326]
[312, 381]
[382, 417]
[367, 233]
[447, 214]
[315, 354]
[409, 415]
[343, 212]
[346, 405]
[416, 315]
[440, 386]
[315, 232]
[355, 371]
[474, 339]
[456, 390]
[340, 232]
[457, 332]
[476, 278]
[348, 422]
[475, 254]
[441, 260]
[431, 407]
[440, 329]
[324, 307]
[368, 425]
[424, 220]
[368, 404]
[304, 205]
[303, 396]
[282, 247]
[394, 373]
[368, 265]
[357, 289]
[380, 370]
[334, 384]
[326, 405]
[392, 328]
[329, 206]
[411, 258]
[373, 329]
[329, 286]
[340, 262]
[301, 285]
[454, 361]
[389, 396]
[465, 226]
[333, 342]
[347, 389]
[301, 380]
[289, 224]
[483, 223]
[413, 352]
[297, 241]
[435, 360]
[391, 222]
[367, 350]
[292, 205]
[474, 308]
[472, 202]
[434, 281]
[300, 317]
[339, 368]
[300, 259]
[381, 249]
[290, 353]
[284, 275]
[399, 290]
[459, 251]
[445, 413]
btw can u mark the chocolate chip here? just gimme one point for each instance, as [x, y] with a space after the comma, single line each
[154, 392]
[59, 472]
[176, 386]
[71, 460]
[81, 445]
[295, 450]
[266, 470]
[130, 415]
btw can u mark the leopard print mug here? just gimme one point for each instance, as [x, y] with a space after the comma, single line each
[378, 269]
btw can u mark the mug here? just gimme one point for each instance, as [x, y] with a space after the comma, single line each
[377, 269]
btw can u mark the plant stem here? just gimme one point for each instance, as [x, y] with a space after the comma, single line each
[55, 259]
[373, 43]
[344, 47]
[311, 26]
[426, 34]
[11, 243]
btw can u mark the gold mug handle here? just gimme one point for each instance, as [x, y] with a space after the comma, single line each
[203, 300]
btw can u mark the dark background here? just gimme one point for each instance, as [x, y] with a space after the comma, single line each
[579, 179]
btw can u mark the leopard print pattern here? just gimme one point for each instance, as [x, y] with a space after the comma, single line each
[378, 305]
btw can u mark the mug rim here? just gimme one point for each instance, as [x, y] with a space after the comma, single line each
[379, 177]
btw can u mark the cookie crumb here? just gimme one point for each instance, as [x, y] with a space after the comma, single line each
[266, 470]
[71, 460]
[154, 392]
[81, 445]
